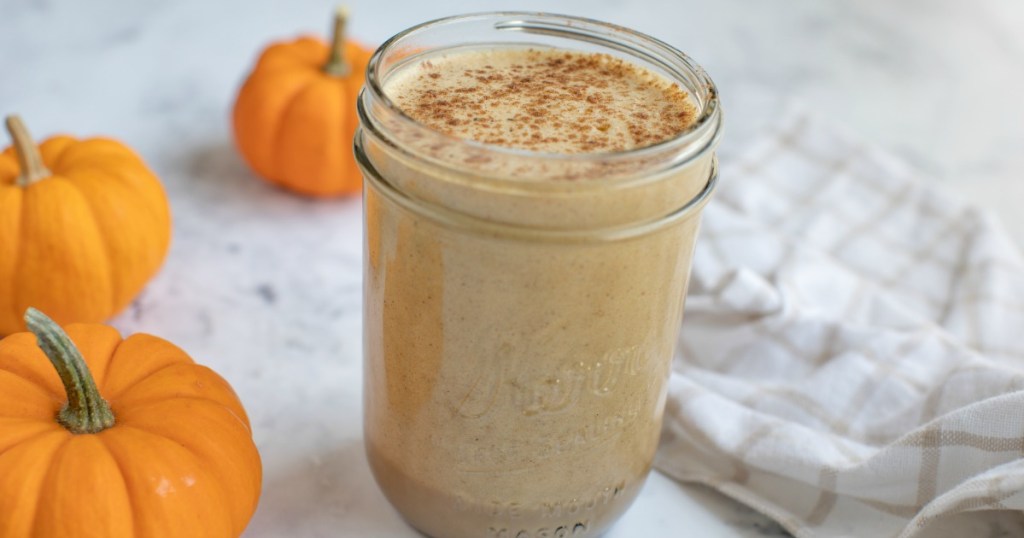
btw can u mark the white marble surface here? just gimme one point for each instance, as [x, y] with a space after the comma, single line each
[265, 287]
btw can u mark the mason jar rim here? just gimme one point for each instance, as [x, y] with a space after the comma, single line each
[453, 218]
[679, 65]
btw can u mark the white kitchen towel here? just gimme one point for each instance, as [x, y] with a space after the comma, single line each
[852, 358]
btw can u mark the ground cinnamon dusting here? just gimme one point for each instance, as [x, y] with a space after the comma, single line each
[543, 100]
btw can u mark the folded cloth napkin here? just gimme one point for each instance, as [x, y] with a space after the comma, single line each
[852, 359]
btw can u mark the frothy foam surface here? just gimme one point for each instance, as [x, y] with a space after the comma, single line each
[544, 100]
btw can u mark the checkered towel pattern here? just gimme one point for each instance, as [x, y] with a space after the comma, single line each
[852, 360]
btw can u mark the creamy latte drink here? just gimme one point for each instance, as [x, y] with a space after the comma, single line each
[531, 209]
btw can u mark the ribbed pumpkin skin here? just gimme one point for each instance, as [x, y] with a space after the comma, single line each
[179, 461]
[82, 243]
[294, 124]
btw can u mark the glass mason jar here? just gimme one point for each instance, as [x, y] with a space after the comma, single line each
[521, 308]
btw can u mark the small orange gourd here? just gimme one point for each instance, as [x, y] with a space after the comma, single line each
[118, 438]
[84, 225]
[295, 114]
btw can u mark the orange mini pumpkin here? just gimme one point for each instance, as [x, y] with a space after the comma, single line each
[295, 115]
[118, 438]
[84, 225]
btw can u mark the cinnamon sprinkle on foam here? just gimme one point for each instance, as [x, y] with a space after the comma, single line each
[543, 100]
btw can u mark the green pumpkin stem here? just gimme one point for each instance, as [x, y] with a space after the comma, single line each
[336, 65]
[86, 411]
[30, 161]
